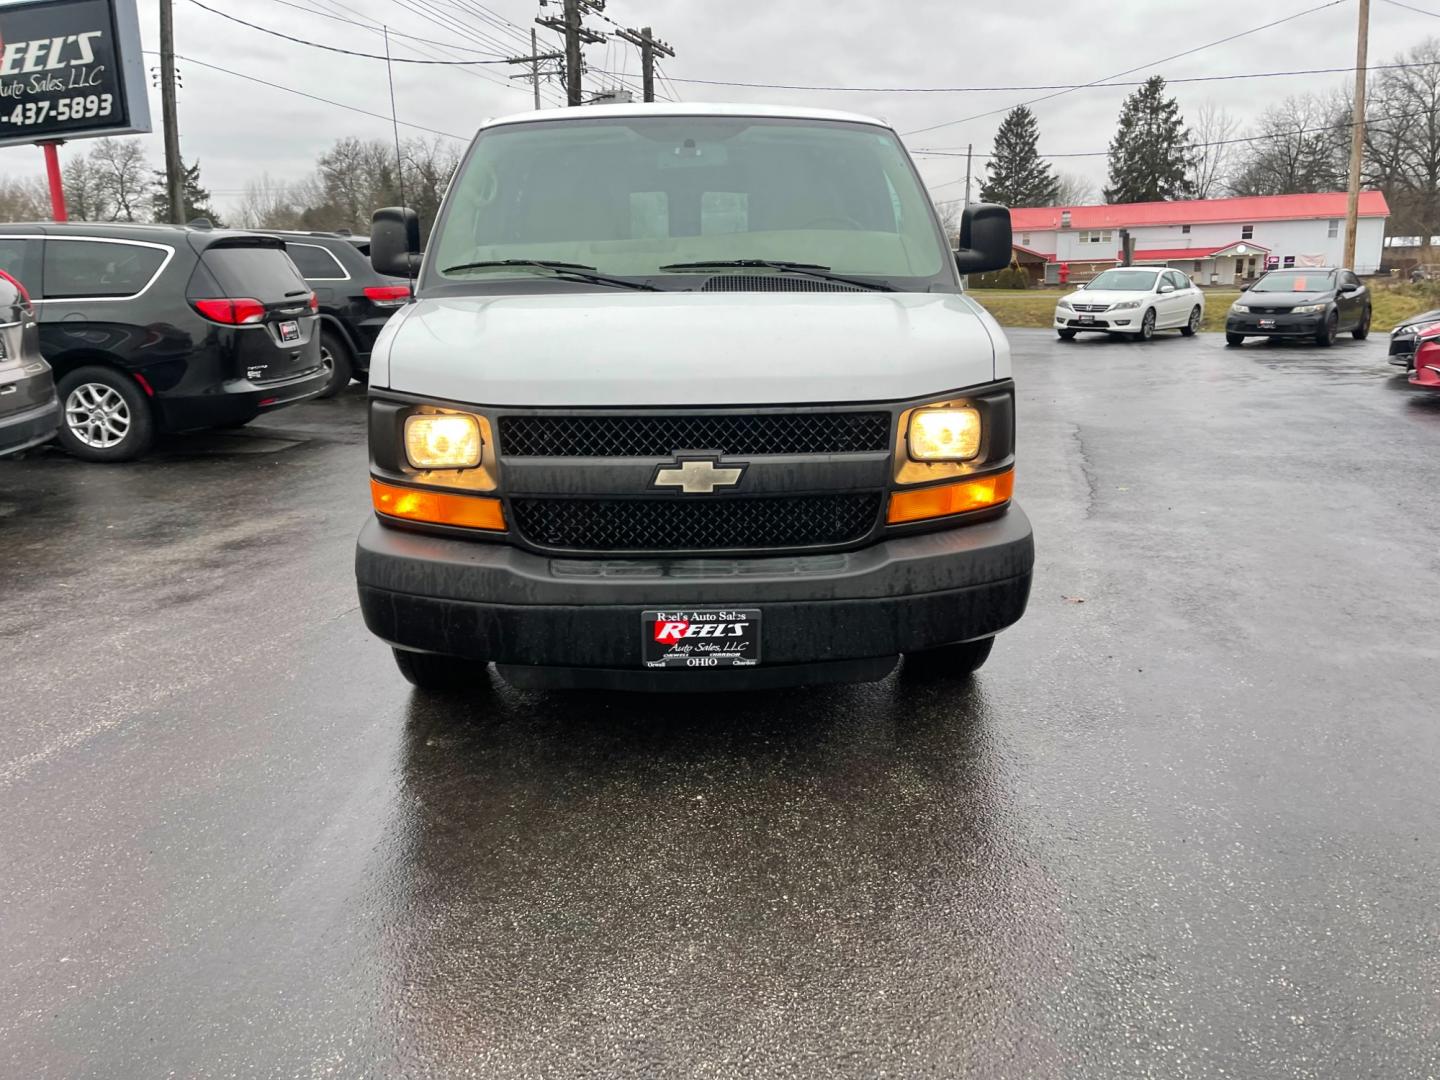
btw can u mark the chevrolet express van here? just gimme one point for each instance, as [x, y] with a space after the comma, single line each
[690, 397]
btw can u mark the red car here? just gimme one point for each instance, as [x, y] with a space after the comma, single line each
[1426, 371]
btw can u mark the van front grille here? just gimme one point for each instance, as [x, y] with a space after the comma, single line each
[707, 524]
[662, 435]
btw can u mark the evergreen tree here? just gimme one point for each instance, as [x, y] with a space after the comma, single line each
[196, 198]
[1150, 154]
[1018, 176]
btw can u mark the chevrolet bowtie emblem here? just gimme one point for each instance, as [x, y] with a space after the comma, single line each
[697, 476]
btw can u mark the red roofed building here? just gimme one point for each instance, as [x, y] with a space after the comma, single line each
[1214, 241]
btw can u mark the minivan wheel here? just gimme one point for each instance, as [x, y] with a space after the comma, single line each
[949, 661]
[1188, 330]
[1329, 330]
[434, 671]
[335, 358]
[1362, 331]
[1147, 325]
[105, 417]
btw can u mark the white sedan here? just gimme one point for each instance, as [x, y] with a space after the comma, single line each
[1132, 300]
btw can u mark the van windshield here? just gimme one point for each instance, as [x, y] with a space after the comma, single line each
[634, 196]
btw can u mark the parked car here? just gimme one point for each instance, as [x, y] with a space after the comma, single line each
[29, 410]
[153, 328]
[355, 301]
[1319, 304]
[1405, 338]
[745, 430]
[1133, 300]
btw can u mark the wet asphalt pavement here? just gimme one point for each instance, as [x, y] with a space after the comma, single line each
[1186, 823]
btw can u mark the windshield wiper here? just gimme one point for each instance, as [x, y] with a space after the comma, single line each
[814, 270]
[565, 271]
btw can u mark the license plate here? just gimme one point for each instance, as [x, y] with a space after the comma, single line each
[697, 638]
[290, 331]
[1267, 324]
[1087, 318]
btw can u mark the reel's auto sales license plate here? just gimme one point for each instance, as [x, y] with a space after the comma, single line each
[700, 637]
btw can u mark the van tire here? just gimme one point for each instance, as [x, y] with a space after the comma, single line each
[106, 388]
[441, 673]
[958, 661]
[335, 355]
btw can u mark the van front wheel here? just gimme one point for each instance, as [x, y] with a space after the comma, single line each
[437, 672]
[949, 661]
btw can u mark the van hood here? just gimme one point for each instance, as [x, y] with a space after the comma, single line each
[641, 348]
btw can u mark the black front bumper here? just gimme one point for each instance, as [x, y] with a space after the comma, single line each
[1284, 325]
[32, 427]
[494, 602]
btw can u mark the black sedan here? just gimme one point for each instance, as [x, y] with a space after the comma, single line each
[1317, 304]
[29, 411]
[1405, 338]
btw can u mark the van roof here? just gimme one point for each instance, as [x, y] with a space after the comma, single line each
[786, 112]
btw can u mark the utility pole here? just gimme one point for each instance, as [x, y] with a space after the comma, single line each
[649, 46]
[535, 59]
[576, 34]
[1357, 137]
[969, 149]
[174, 167]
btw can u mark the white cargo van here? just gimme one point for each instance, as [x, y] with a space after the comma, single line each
[690, 397]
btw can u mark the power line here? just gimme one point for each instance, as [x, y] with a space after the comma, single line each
[372, 27]
[336, 48]
[1416, 10]
[1040, 86]
[1342, 125]
[1139, 67]
[312, 97]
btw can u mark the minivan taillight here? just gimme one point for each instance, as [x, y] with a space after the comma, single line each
[231, 312]
[387, 295]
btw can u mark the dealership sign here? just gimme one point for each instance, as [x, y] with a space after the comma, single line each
[70, 69]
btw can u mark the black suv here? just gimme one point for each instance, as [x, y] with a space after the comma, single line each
[153, 328]
[355, 301]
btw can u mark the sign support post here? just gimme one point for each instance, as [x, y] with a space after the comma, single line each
[57, 181]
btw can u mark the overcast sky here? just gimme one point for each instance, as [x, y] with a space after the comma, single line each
[240, 129]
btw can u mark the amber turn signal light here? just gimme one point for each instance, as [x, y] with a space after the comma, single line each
[942, 500]
[437, 507]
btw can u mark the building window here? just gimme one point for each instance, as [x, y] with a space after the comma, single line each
[1185, 230]
[1334, 229]
[1247, 232]
[1025, 239]
[1195, 266]
[1097, 237]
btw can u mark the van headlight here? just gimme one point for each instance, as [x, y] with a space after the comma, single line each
[442, 441]
[950, 433]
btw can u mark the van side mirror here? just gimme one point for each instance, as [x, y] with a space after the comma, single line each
[395, 241]
[985, 240]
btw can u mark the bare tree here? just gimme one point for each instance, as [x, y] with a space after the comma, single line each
[85, 196]
[1072, 189]
[950, 213]
[1300, 145]
[1210, 132]
[1402, 141]
[268, 204]
[124, 177]
[24, 200]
